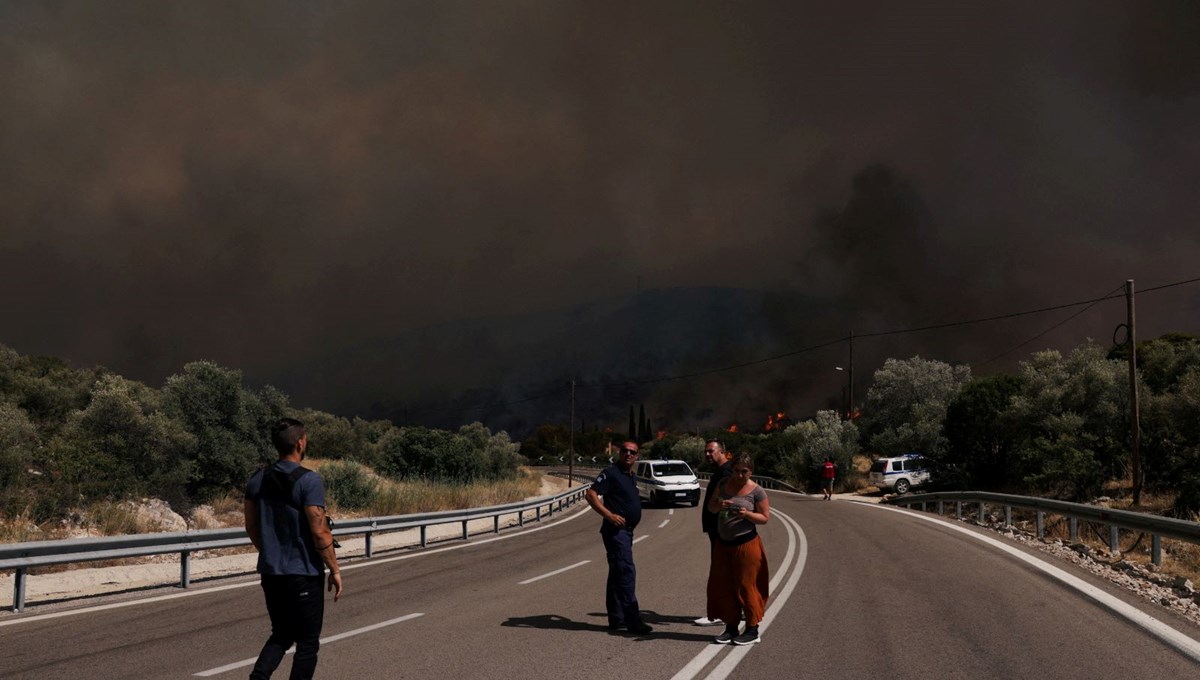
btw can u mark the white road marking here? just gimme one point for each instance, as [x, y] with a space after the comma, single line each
[324, 641]
[730, 662]
[665, 522]
[357, 565]
[641, 538]
[796, 538]
[553, 573]
[671, 511]
[1167, 634]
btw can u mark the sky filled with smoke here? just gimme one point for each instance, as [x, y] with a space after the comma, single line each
[265, 184]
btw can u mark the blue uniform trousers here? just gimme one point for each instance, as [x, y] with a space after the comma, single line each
[620, 597]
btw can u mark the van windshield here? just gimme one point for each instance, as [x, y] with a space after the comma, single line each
[671, 470]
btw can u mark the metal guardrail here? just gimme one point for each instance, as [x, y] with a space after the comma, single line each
[23, 556]
[1154, 525]
[764, 482]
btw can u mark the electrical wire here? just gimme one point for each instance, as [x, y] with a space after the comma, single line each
[1060, 323]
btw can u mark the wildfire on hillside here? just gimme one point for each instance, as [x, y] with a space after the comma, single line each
[733, 428]
[775, 422]
[658, 436]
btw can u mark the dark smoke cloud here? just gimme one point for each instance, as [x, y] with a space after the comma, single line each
[276, 185]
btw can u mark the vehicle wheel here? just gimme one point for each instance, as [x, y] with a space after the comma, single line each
[696, 501]
[902, 486]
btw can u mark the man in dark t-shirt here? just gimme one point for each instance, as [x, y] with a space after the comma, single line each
[718, 457]
[285, 518]
[614, 496]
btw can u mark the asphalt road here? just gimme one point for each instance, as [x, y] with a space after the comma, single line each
[858, 591]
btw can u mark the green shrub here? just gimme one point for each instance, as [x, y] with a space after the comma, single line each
[349, 485]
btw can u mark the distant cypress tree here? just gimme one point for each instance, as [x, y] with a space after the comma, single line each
[643, 427]
[632, 428]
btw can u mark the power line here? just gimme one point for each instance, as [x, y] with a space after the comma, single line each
[1087, 304]
[1060, 323]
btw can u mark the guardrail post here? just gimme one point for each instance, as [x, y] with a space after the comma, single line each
[496, 524]
[922, 506]
[982, 514]
[1113, 545]
[957, 509]
[1156, 549]
[185, 564]
[423, 542]
[520, 518]
[367, 545]
[1007, 516]
[19, 590]
[1041, 524]
[538, 513]
[1073, 524]
[464, 529]
[941, 508]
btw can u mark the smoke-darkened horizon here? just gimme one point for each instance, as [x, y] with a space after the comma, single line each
[283, 186]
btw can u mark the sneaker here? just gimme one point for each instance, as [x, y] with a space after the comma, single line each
[750, 637]
[705, 621]
[725, 638]
[640, 628]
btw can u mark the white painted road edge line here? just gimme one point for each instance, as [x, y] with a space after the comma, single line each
[1184, 644]
[356, 565]
[665, 522]
[324, 641]
[697, 664]
[556, 572]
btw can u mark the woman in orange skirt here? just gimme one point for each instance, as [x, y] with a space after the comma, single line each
[738, 581]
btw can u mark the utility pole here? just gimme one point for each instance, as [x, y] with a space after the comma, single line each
[1134, 417]
[850, 379]
[571, 447]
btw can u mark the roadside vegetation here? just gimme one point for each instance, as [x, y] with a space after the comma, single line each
[76, 445]
[80, 447]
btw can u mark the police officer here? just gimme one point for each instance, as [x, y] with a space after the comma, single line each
[614, 496]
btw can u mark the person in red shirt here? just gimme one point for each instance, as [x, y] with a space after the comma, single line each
[828, 473]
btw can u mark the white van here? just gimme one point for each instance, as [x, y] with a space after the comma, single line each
[900, 473]
[667, 481]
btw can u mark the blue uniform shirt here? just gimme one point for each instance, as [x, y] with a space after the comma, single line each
[287, 543]
[619, 492]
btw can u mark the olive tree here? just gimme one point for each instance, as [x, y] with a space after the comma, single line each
[906, 405]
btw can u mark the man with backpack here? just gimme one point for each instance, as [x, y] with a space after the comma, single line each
[286, 521]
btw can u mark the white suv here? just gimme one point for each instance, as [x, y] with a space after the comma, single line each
[667, 481]
[901, 473]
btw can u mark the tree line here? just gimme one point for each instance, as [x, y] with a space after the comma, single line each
[1058, 426]
[73, 436]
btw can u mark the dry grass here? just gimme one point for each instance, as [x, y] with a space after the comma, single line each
[403, 498]
[20, 529]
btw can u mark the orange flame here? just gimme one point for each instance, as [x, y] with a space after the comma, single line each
[775, 422]
[733, 428]
[660, 434]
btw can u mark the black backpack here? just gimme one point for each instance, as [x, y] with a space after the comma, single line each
[277, 487]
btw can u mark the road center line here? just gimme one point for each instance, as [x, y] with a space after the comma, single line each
[665, 522]
[333, 638]
[641, 538]
[553, 573]
[1183, 643]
